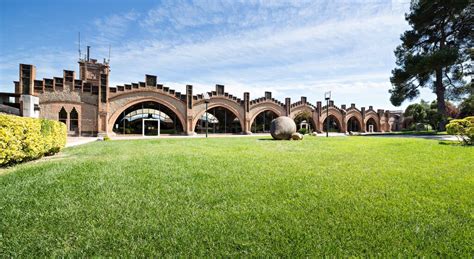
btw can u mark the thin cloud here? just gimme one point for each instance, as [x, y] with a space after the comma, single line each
[292, 48]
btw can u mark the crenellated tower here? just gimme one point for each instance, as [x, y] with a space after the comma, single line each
[95, 76]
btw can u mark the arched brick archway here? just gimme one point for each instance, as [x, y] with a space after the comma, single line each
[233, 107]
[354, 115]
[305, 108]
[261, 107]
[121, 103]
[336, 113]
[300, 109]
[354, 124]
[339, 125]
[372, 115]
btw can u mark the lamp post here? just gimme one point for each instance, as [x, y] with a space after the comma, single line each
[327, 96]
[206, 100]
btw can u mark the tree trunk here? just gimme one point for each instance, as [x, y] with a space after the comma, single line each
[440, 95]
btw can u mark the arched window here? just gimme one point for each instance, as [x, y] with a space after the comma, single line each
[63, 115]
[73, 120]
[353, 125]
[334, 125]
[146, 118]
[261, 123]
[371, 125]
[220, 120]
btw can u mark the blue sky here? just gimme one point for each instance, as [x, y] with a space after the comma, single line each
[292, 48]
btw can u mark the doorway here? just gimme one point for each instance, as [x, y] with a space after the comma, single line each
[150, 127]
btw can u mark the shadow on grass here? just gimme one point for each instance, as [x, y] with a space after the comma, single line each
[46, 157]
[454, 143]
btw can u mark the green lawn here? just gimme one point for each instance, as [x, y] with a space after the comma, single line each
[242, 196]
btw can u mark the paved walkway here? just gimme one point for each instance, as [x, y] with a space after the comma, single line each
[75, 141]
[123, 137]
[435, 137]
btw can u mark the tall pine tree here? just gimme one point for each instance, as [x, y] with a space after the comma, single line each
[435, 52]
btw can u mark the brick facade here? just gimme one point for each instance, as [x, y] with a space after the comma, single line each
[98, 105]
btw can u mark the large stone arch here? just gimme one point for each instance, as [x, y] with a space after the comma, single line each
[354, 114]
[332, 112]
[305, 108]
[255, 110]
[375, 117]
[120, 103]
[200, 108]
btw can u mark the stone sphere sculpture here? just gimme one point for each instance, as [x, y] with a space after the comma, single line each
[282, 128]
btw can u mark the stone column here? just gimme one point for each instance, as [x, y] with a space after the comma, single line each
[388, 127]
[382, 120]
[246, 130]
[319, 129]
[287, 106]
[268, 95]
[343, 122]
[362, 111]
[188, 128]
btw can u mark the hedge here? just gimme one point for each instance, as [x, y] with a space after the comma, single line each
[463, 129]
[23, 139]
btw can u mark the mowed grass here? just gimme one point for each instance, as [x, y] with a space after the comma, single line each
[353, 196]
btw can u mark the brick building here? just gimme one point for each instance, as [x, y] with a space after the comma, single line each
[88, 105]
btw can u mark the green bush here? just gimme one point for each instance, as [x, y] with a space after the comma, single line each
[463, 129]
[303, 131]
[423, 127]
[23, 139]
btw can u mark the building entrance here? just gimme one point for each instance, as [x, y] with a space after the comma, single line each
[151, 127]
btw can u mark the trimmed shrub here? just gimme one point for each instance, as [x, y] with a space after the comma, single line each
[303, 131]
[463, 129]
[23, 139]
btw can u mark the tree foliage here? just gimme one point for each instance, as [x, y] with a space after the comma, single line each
[435, 53]
[451, 110]
[417, 111]
[425, 112]
[466, 108]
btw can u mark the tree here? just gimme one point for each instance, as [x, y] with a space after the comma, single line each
[417, 111]
[451, 110]
[466, 108]
[434, 53]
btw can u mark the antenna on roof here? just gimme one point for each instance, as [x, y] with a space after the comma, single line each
[108, 61]
[79, 45]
